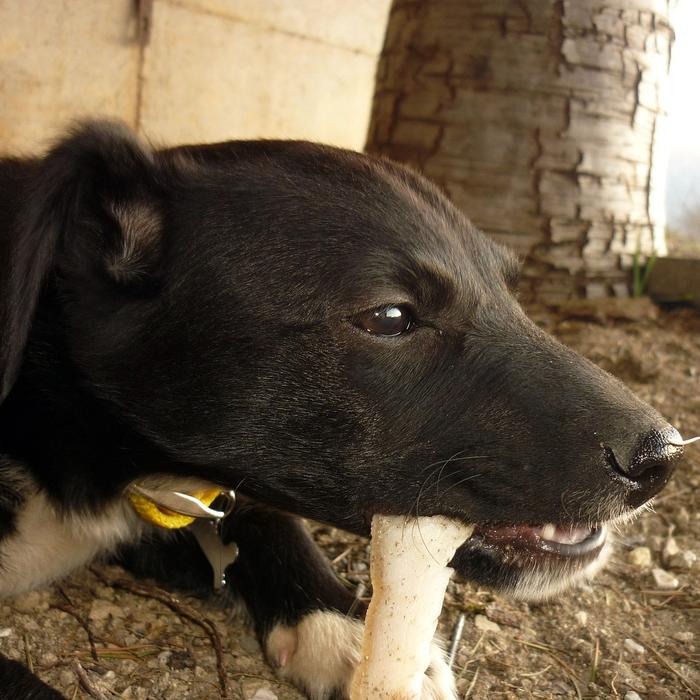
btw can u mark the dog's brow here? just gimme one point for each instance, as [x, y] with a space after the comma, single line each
[432, 287]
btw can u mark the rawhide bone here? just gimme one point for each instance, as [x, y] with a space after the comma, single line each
[408, 567]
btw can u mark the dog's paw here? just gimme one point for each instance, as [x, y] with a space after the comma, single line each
[319, 656]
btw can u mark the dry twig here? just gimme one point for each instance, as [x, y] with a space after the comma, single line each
[549, 650]
[27, 654]
[692, 688]
[473, 683]
[181, 609]
[85, 682]
[69, 609]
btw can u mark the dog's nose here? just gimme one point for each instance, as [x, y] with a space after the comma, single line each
[650, 464]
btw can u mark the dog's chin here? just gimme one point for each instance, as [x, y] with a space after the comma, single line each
[533, 562]
[536, 562]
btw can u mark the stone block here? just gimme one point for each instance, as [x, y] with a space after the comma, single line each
[358, 25]
[207, 77]
[60, 61]
[675, 280]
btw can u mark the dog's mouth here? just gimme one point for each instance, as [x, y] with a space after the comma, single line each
[549, 540]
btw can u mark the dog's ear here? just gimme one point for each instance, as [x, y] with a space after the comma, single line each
[92, 210]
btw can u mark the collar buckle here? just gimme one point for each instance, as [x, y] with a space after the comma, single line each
[186, 504]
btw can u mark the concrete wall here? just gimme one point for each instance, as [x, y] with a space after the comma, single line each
[64, 59]
[209, 70]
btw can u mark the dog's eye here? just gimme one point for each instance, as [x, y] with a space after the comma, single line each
[386, 321]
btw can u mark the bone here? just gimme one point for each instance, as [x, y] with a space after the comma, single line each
[408, 567]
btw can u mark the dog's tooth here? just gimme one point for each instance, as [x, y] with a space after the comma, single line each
[548, 531]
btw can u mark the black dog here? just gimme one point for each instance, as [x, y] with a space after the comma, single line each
[322, 331]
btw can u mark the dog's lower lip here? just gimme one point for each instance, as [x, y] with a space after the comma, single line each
[567, 541]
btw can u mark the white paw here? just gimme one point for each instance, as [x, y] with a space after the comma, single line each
[319, 656]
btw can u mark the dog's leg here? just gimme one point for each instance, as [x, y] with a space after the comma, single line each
[18, 683]
[298, 605]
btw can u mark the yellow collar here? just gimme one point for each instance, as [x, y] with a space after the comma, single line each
[172, 509]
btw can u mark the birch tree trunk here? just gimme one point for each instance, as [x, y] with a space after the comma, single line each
[541, 120]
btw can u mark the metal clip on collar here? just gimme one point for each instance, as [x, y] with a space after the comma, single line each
[185, 504]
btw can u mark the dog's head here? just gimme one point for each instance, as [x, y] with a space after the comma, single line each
[327, 332]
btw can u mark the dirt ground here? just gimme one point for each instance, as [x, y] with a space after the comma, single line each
[633, 633]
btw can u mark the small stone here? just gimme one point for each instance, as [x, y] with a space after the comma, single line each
[66, 677]
[581, 617]
[179, 659]
[683, 636]
[104, 592]
[501, 616]
[34, 601]
[682, 518]
[671, 548]
[127, 667]
[640, 557]
[48, 659]
[263, 694]
[103, 610]
[5, 632]
[633, 647]
[656, 542]
[683, 560]
[631, 695]
[249, 644]
[481, 622]
[664, 581]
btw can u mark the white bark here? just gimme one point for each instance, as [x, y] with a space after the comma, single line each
[541, 119]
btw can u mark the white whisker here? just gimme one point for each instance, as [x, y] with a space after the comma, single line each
[681, 443]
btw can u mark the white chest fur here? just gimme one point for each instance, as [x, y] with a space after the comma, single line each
[47, 544]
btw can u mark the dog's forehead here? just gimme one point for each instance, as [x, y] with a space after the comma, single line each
[332, 223]
[420, 240]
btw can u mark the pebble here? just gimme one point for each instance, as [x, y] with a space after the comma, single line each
[671, 548]
[263, 694]
[66, 677]
[682, 518]
[684, 560]
[581, 617]
[127, 667]
[683, 636]
[664, 581]
[249, 644]
[6, 632]
[640, 557]
[104, 592]
[631, 695]
[103, 610]
[481, 622]
[501, 616]
[656, 542]
[34, 601]
[633, 647]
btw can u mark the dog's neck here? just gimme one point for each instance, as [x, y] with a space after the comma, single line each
[65, 437]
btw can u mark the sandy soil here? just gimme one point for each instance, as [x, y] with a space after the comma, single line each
[623, 636]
